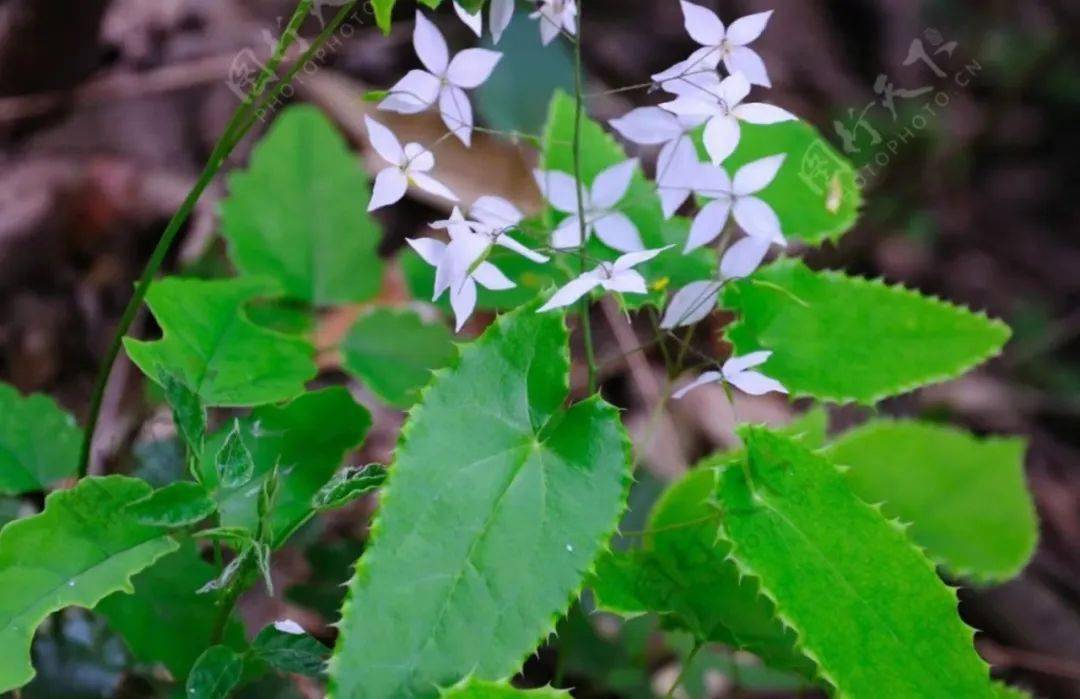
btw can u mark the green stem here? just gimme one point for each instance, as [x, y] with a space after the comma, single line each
[586, 326]
[685, 668]
[241, 122]
[228, 598]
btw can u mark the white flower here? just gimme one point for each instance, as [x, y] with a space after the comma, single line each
[289, 626]
[728, 44]
[678, 174]
[737, 372]
[555, 16]
[697, 300]
[724, 110]
[617, 276]
[612, 227]
[445, 83]
[696, 76]
[408, 164]
[736, 197]
[492, 217]
[500, 14]
[463, 294]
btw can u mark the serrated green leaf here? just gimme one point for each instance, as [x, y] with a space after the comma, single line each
[216, 673]
[846, 339]
[39, 442]
[165, 620]
[866, 604]
[394, 352]
[233, 462]
[965, 497]
[188, 412]
[502, 498]
[599, 151]
[815, 194]
[683, 573]
[473, 688]
[296, 653]
[299, 214]
[176, 505]
[78, 550]
[347, 486]
[209, 344]
[307, 439]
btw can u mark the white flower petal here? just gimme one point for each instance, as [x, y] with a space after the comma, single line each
[385, 143]
[761, 113]
[610, 186]
[633, 259]
[618, 232]
[529, 254]
[550, 25]
[696, 77]
[289, 626]
[712, 181]
[626, 282]
[691, 304]
[430, 250]
[702, 24]
[559, 189]
[648, 126]
[735, 365]
[708, 224]
[432, 186]
[461, 255]
[463, 301]
[390, 187]
[671, 198]
[472, 67]
[419, 158]
[457, 112]
[756, 176]
[502, 11]
[495, 212]
[677, 164]
[743, 258]
[755, 383]
[414, 93]
[571, 293]
[746, 29]
[491, 277]
[430, 45]
[722, 135]
[690, 107]
[758, 219]
[747, 61]
[473, 21]
[707, 378]
[567, 234]
[734, 89]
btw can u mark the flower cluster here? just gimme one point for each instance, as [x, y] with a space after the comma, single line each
[703, 99]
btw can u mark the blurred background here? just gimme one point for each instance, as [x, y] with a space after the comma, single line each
[962, 116]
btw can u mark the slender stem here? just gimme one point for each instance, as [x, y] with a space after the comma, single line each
[685, 668]
[241, 122]
[227, 600]
[579, 106]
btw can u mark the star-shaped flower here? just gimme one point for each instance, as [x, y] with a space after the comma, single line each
[736, 197]
[555, 16]
[463, 294]
[729, 44]
[408, 164]
[619, 276]
[737, 372]
[444, 81]
[499, 16]
[612, 227]
[724, 110]
[696, 300]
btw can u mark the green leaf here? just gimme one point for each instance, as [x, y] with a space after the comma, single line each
[215, 675]
[347, 486]
[165, 620]
[188, 412]
[234, 463]
[683, 573]
[473, 688]
[39, 442]
[307, 439]
[815, 194]
[502, 499]
[866, 604]
[965, 497]
[299, 213]
[394, 352]
[176, 505]
[78, 550]
[599, 151]
[384, 10]
[846, 339]
[296, 653]
[211, 346]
